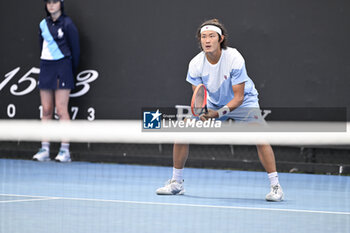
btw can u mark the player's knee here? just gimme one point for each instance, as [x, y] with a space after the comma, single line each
[62, 112]
[47, 112]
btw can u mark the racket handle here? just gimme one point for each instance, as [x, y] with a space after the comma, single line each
[205, 109]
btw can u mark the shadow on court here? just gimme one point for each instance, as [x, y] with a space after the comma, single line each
[233, 200]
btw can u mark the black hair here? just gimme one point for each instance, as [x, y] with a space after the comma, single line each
[62, 7]
[223, 44]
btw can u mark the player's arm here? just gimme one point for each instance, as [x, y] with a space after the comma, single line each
[238, 92]
[237, 100]
[193, 87]
[74, 44]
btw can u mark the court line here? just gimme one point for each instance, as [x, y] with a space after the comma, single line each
[181, 205]
[27, 200]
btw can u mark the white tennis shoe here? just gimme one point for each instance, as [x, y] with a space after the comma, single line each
[172, 187]
[63, 156]
[276, 193]
[42, 155]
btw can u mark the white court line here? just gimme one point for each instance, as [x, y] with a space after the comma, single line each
[28, 200]
[182, 205]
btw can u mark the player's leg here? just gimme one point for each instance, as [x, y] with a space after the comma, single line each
[180, 155]
[47, 104]
[61, 102]
[175, 184]
[267, 159]
[251, 114]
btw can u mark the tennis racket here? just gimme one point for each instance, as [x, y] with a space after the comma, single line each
[199, 101]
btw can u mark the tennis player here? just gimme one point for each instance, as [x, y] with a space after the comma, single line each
[231, 94]
[60, 51]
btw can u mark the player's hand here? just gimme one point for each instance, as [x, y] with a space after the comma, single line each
[210, 114]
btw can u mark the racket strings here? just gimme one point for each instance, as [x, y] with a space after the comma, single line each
[199, 102]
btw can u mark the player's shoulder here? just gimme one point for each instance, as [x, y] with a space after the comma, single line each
[196, 64]
[68, 23]
[42, 22]
[232, 53]
[43, 25]
[233, 57]
[197, 60]
[67, 20]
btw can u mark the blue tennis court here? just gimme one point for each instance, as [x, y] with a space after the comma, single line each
[91, 197]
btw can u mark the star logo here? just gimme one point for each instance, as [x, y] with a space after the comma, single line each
[156, 115]
[152, 120]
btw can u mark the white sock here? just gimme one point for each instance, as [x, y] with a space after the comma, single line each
[45, 145]
[64, 146]
[178, 174]
[273, 176]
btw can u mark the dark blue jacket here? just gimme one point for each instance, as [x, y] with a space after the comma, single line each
[59, 39]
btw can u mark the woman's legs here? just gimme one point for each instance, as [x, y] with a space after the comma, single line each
[61, 103]
[47, 103]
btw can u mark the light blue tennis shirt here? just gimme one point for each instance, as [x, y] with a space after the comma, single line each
[220, 77]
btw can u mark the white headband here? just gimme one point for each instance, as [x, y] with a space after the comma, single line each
[211, 28]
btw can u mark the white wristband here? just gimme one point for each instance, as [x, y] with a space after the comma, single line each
[223, 111]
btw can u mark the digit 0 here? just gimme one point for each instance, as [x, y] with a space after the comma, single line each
[11, 110]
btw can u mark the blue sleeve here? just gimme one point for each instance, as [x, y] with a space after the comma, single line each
[73, 40]
[239, 76]
[193, 80]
